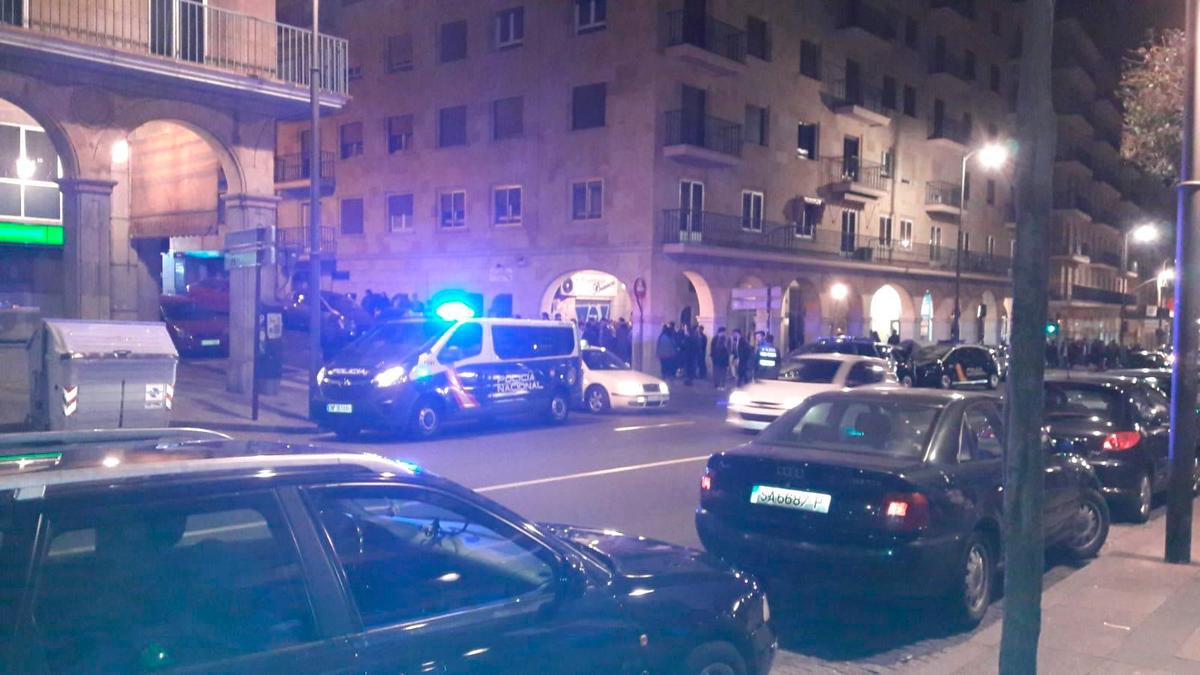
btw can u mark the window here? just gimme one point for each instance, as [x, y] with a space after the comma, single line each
[965, 239]
[807, 135]
[507, 205]
[849, 244]
[981, 435]
[452, 209]
[752, 210]
[888, 164]
[469, 341]
[996, 28]
[991, 192]
[969, 64]
[350, 139]
[400, 133]
[862, 374]
[910, 32]
[991, 246]
[399, 213]
[586, 200]
[590, 15]
[906, 233]
[888, 97]
[910, 101]
[808, 218]
[508, 117]
[510, 27]
[352, 215]
[758, 38]
[453, 41]
[810, 59]
[452, 126]
[427, 554]
[994, 78]
[159, 575]
[588, 106]
[935, 237]
[529, 342]
[400, 52]
[757, 124]
[885, 231]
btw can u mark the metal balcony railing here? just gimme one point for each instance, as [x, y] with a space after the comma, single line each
[682, 226]
[705, 32]
[187, 31]
[297, 239]
[868, 17]
[849, 92]
[950, 129]
[704, 131]
[299, 167]
[856, 170]
[941, 192]
[1107, 258]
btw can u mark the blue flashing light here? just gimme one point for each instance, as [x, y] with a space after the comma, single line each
[411, 467]
[454, 310]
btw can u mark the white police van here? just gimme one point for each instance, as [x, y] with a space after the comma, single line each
[415, 375]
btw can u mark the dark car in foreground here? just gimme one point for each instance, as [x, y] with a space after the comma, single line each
[886, 489]
[195, 329]
[951, 366]
[213, 555]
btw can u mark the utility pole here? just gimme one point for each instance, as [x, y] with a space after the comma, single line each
[314, 207]
[1187, 312]
[1024, 461]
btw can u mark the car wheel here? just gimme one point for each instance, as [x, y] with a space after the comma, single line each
[715, 658]
[946, 382]
[558, 408]
[976, 576]
[1143, 501]
[1092, 532]
[993, 381]
[596, 399]
[906, 381]
[426, 419]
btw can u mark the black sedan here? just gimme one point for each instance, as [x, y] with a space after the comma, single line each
[895, 489]
[951, 366]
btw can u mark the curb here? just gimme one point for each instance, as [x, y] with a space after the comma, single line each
[248, 427]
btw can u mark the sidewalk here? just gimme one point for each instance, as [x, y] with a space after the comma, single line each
[202, 401]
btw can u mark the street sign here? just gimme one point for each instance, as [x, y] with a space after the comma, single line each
[248, 257]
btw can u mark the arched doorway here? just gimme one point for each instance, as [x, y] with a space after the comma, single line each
[927, 327]
[802, 320]
[887, 311]
[698, 301]
[748, 306]
[585, 295]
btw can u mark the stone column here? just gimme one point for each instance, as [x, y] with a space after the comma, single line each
[246, 212]
[87, 247]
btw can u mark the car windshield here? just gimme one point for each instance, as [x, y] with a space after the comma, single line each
[815, 371]
[894, 428]
[600, 359]
[342, 303]
[189, 311]
[1064, 399]
[399, 338]
[931, 352]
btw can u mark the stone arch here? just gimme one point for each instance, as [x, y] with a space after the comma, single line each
[891, 307]
[587, 291]
[842, 316]
[802, 317]
[234, 174]
[63, 145]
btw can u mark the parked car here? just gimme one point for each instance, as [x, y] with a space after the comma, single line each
[1003, 357]
[841, 344]
[1159, 378]
[342, 319]
[610, 382]
[143, 552]
[886, 489]
[950, 366]
[1146, 358]
[759, 403]
[195, 330]
[1121, 426]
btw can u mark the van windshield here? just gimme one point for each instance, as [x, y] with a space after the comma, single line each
[398, 338]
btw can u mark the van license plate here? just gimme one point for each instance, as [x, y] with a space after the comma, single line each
[800, 500]
[339, 408]
[210, 343]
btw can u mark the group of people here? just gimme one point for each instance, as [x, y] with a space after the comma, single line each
[377, 304]
[615, 336]
[1080, 353]
[686, 351]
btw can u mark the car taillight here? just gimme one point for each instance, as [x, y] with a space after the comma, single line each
[905, 511]
[1120, 441]
[706, 482]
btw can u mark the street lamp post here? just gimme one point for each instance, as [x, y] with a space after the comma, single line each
[1146, 233]
[991, 156]
[314, 208]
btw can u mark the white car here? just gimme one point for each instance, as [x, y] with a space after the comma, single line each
[610, 382]
[757, 404]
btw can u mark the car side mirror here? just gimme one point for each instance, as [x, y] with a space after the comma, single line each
[451, 354]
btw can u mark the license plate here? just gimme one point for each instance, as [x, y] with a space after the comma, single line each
[800, 500]
[210, 343]
[339, 408]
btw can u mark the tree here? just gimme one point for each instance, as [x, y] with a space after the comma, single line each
[1024, 462]
[1152, 92]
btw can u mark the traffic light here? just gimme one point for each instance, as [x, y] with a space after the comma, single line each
[456, 305]
[1051, 328]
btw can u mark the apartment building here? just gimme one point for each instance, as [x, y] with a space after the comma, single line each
[131, 128]
[790, 167]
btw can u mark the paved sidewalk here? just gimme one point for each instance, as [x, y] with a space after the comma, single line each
[201, 401]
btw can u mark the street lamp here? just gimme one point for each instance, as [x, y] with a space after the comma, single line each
[1146, 233]
[992, 156]
[839, 292]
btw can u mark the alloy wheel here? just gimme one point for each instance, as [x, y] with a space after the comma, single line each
[1090, 524]
[976, 583]
[1145, 497]
[718, 669]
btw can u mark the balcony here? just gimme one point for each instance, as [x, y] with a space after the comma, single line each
[856, 180]
[964, 9]
[682, 230]
[860, 102]
[1108, 259]
[943, 198]
[702, 140]
[295, 240]
[1070, 153]
[1073, 200]
[294, 172]
[953, 134]
[863, 20]
[1100, 295]
[177, 41]
[951, 69]
[703, 41]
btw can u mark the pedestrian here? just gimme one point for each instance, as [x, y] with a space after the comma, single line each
[720, 358]
[875, 337]
[1112, 355]
[687, 354]
[545, 316]
[766, 358]
[664, 349]
[1097, 354]
[623, 340]
[894, 338]
[744, 352]
[701, 346]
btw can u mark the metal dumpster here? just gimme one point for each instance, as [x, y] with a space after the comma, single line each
[101, 375]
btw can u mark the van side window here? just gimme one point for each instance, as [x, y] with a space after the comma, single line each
[527, 342]
[468, 338]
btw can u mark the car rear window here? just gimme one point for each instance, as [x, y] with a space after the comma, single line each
[1081, 400]
[893, 428]
[526, 342]
[815, 371]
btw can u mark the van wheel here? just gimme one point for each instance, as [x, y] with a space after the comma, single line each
[1092, 528]
[596, 399]
[715, 658]
[977, 567]
[426, 419]
[558, 408]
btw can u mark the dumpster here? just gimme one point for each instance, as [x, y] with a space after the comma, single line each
[101, 375]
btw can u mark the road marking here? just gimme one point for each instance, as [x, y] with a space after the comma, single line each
[655, 426]
[591, 474]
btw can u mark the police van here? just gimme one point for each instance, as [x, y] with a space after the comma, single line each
[416, 375]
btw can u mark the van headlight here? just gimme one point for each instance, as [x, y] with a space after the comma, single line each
[739, 397]
[792, 402]
[389, 377]
[628, 388]
[321, 376]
